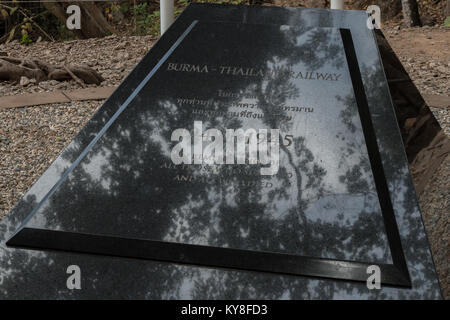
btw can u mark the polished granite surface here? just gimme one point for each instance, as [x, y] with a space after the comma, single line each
[321, 203]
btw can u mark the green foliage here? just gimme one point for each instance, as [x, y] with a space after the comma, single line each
[138, 17]
[25, 39]
[145, 22]
[125, 7]
[447, 22]
[26, 30]
[23, 18]
[155, 18]
[64, 33]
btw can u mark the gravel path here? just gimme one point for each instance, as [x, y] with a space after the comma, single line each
[113, 57]
[31, 138]
[424, 54]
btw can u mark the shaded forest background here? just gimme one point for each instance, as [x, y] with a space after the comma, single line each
[29, 22]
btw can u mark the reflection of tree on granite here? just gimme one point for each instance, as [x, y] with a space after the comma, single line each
[358, 177]
[417, 254]
[96, 274]
[31, 259]
[132, 158]
[402, 191]
[335, 232]
[150, 203]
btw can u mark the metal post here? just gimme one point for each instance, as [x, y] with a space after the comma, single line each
[166, 13]
[337, 4]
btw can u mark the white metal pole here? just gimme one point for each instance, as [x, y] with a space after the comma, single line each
[336, 4]
[166, 13]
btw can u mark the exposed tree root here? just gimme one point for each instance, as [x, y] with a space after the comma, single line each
[15, 68]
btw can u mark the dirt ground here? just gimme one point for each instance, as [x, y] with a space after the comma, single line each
[424, 53]
[422, 42]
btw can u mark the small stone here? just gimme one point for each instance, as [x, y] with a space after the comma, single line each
[442, 69]
[120, 46]
[120, 66]
[44, 84]
[24, 81]
[62, 85]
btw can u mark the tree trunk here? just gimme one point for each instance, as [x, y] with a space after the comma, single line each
[411, 16]
[93, 23]
[389, 8]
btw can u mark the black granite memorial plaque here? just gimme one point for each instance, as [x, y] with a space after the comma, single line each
[321, 193]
